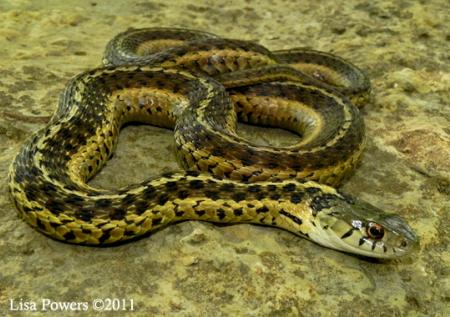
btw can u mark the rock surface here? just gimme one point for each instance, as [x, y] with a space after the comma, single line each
[199, 269]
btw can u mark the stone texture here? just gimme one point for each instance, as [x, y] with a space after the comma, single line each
[199, 269]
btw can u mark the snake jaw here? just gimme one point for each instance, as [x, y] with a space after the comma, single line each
[355, 226]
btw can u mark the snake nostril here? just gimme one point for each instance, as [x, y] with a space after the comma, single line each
[403, 244]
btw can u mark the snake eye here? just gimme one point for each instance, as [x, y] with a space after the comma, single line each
[375, 230]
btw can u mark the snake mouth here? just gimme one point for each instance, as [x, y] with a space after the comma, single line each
[380, 249]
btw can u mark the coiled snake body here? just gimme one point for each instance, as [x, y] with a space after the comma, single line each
[199, 85]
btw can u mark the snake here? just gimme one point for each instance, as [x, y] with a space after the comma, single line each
[200, 85]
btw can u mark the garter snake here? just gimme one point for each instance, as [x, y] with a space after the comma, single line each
[199, 85]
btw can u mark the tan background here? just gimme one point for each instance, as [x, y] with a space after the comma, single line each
[198, 269]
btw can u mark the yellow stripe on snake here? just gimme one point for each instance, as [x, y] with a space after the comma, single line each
[199, 85]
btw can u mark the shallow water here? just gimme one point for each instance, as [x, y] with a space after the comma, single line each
[193, 268]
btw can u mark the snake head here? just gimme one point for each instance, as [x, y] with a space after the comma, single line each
[355, 226]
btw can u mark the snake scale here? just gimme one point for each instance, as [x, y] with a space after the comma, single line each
[200, 85]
